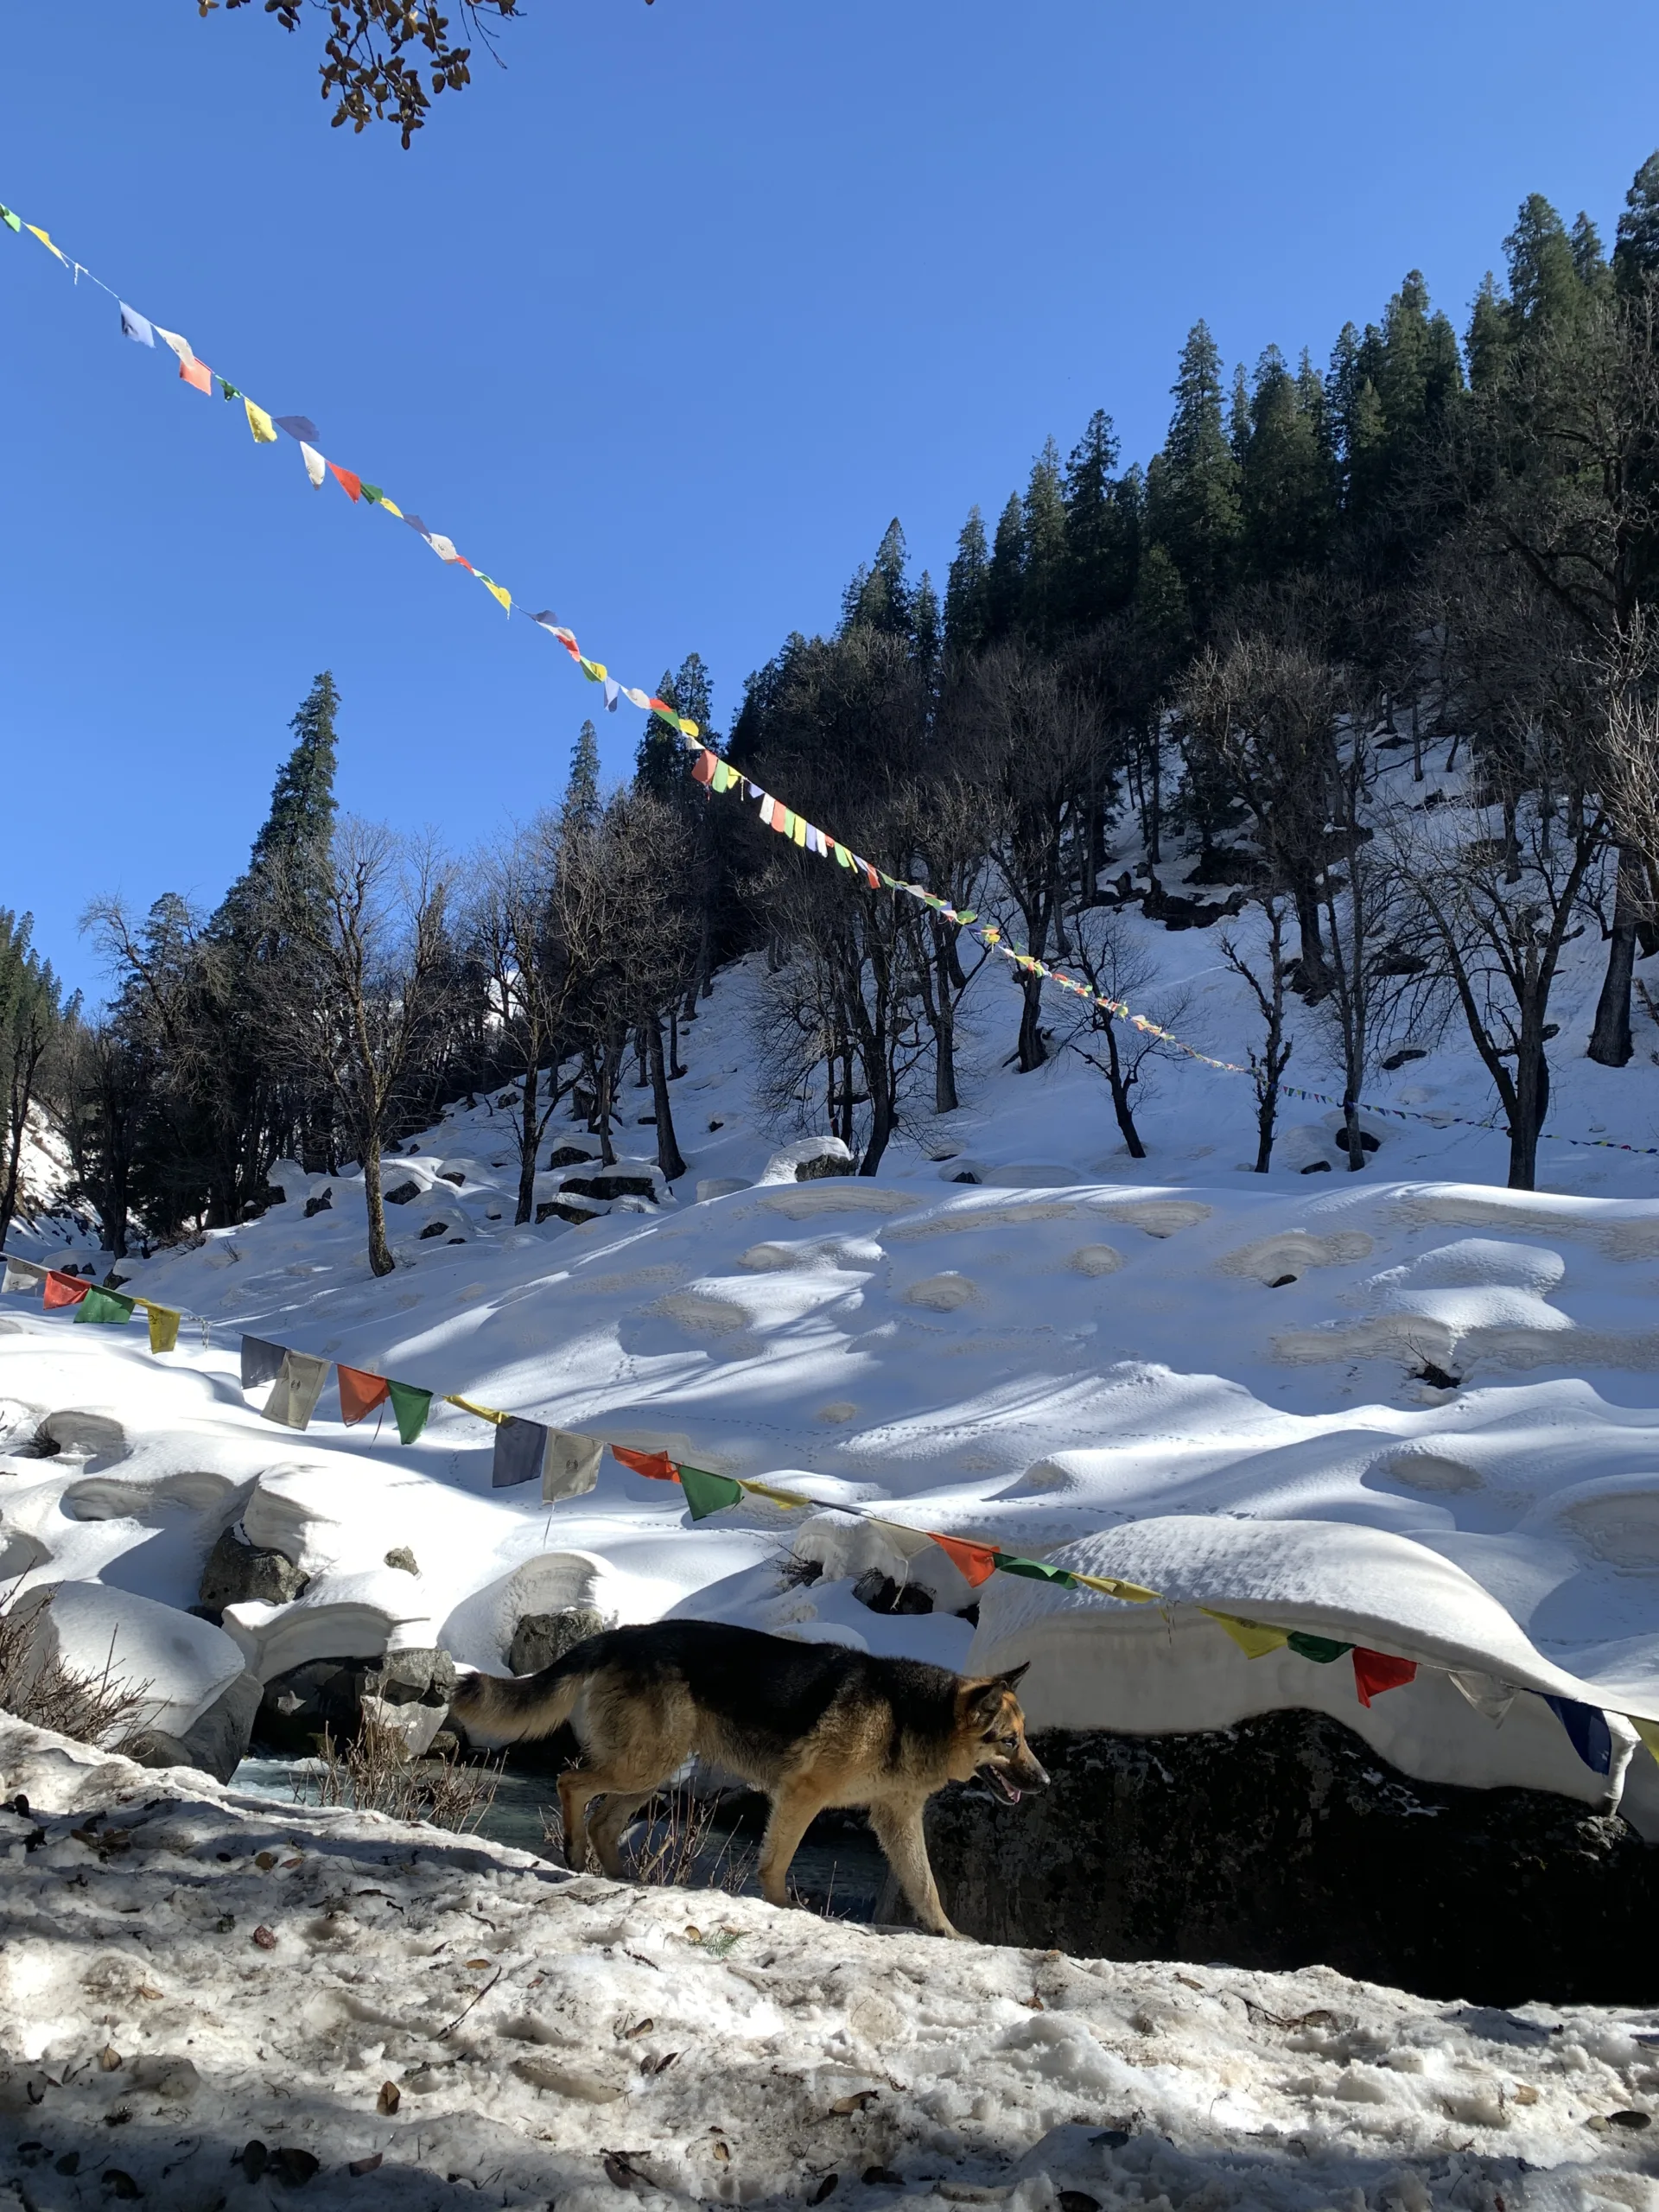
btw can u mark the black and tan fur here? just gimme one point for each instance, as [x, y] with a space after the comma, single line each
[812, 1725]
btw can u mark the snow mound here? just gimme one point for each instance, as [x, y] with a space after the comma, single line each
[179, 1664]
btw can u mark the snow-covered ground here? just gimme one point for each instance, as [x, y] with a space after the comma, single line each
[1066, 1356]
[438, 2022]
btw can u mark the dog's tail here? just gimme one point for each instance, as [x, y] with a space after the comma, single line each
[497, 1709]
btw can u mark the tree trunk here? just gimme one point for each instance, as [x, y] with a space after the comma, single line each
[1032, 1051]
[1308, 926]
[944, 1039]
[1267, 1115]
[674, 1070]
[1351, 1137]
[1121, 1097]
[527, 1148]
[668, 1151]
[1609, 1039]
[1531, 1105]
[380, 1260]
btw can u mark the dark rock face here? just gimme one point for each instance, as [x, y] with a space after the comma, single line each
[323, 1203]
[216, 1742]
[401, 1193]
[1287, 1842]
[236, 1571]
[328, 1693]
[611, 1183]
[570, 1155]
[540, 1638]
[556, 1210]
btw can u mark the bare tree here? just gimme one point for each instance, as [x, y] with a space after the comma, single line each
[375, 947]
[1267, 981]
[1497, 914]
[1112, 1043]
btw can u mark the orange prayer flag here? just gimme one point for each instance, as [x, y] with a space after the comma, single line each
[351, 485]
[657, 1465]
[1376, 1671]
[977, 1562]
[360, 1393]
[703, 768]
[198, 374]
[64, 1290]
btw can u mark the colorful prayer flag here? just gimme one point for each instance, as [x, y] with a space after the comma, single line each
[570, 1468]
[64, 1290]
[471, 1406]
[498, 592]
[702, 768]
[298, 1386]
[134, 326]
[163, 1325]
[264, 430]
[197, 374]
[12, 222]
[411, 1407]
[99, 1305]
[976, 1563]
[1253, 1639]
[1319, 1649]
[360, 1393]
[261, 1362]
[778, 1497]
[46, 241]
[1112, 1585]
[351, 485]
[1376, 1671]
[520, 1450]
[181, 346]
[706, 1493]
[1586, 1730]
[297, 426]
[315, 466]
[657, 1465]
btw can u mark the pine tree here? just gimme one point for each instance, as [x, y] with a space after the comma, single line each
[1635, 248]
[693, 694]
[926, 625]
[302, 805]
[1192, 506]
[1005, 577]
[580, 809]
[1238, 414]
[1543, 285]
[1042, 526]
[1487, 341]
[879, 597]
[1589, 261]
[1101, 526]
[965, 611]
[1286, 490]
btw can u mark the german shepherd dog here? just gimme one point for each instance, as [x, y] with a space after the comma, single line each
[811, 1725]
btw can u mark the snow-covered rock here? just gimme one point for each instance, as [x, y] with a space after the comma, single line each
[177, 1664]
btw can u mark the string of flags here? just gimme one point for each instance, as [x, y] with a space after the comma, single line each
[706, 766]
[565, 1464]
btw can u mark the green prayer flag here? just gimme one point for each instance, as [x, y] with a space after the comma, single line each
[104, 1306]
[706, 1493]
[12, 222]
[373, 493]
[1036, 1569]
[411, 1406]
[1319, 1649]
[229, 389]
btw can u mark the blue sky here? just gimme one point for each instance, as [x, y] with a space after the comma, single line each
[661, 325]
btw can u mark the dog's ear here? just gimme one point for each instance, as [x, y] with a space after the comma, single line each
[1014, 1674]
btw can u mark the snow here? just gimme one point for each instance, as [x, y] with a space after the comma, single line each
[198, 1969]
[1204, 1380]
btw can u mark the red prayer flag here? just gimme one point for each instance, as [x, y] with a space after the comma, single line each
[1375, 1671]
[353, 486]
[360, 1393]
[657, 1465]
[703, 768]
[977, 1562]
[65, 1290]
[198, 374]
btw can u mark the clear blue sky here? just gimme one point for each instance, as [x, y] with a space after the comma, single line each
[661, 325]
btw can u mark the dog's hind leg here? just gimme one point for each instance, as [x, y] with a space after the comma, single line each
[605, 1828]
[898, 1831]
[792, 1812]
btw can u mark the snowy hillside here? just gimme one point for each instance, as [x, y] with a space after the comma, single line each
[1063, 1352]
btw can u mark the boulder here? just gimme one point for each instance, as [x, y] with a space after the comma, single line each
[557, 1209]
[808, 1159]
[540, 1638]
[216, 1742]
[570, 1155]
[401, 1193]
[613, 1183]
[1287, 1841]
[181, 1665]
[237, 1572]
[338, 1695]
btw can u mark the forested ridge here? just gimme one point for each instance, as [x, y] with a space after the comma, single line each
[1206, 688]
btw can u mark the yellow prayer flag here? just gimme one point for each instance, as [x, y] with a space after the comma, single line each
[46, 241]
[1131, 1592]
[484, 1413]
[778, 1497]
[1648, 1731]
[688, 729]
[595, 671]
[1252, 1638]
[163, 1325]
[264, 430]
[797, 829]
[498, 591]
[391, 506]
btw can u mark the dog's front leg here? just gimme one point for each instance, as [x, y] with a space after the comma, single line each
[898, 1831]
[793, 1810]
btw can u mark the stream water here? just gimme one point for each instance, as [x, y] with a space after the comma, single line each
[839, 1869]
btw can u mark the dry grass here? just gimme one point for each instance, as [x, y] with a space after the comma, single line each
[375, 1774]
[103, 1710]
[676, 1847]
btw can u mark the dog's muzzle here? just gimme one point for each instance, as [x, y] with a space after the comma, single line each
[1011, 1782]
